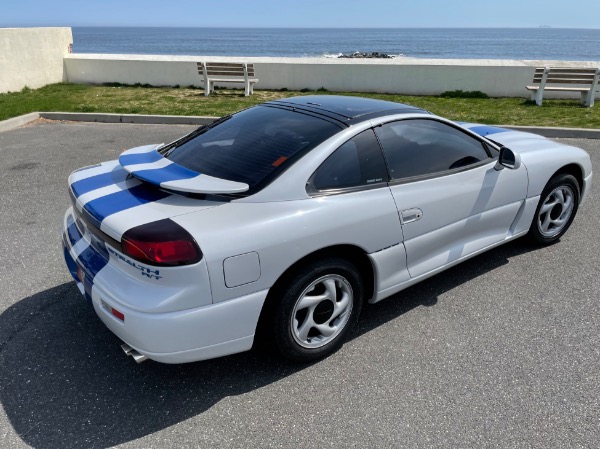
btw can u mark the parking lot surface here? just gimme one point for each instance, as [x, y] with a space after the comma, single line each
[501, 351]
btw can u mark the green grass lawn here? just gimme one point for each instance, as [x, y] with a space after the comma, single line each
[188, 101]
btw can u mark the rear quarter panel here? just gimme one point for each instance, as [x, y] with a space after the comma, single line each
[282, 232]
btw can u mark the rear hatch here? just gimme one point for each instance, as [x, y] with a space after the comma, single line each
[234, 156]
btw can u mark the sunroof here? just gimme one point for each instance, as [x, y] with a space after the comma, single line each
[349, 107]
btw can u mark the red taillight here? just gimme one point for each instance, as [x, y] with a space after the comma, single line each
[113, 311]
[80, 273]
[118, 314]
[162, 242]
[170, 253]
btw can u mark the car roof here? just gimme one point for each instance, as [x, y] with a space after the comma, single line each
[346, 109]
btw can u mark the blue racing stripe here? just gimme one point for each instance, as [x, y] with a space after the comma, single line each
[102, 207]
[98, 181]
[91, 261]
[169, 173]
[71, 265]
[485, 130]
[87, 288]
[93, 220]
[73, 234]
[140, 158]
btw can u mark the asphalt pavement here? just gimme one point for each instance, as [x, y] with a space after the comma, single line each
[501, 351]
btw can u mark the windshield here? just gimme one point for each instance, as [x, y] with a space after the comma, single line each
[252, 146]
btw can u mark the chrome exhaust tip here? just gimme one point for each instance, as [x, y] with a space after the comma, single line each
[128, 350]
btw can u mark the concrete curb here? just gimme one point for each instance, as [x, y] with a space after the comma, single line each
[6, 125]
[128, 118]
[16, 122]
[139, 119]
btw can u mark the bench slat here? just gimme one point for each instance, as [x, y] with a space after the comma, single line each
[569, 81]
[568, 75]
[228, 66]
[584, 76]
[233, 80]
[566, 89]
[567, 69]
[227, 73]
[225, 69]
[574, 89]
[234, 74]
[565, 81]
[224, 64]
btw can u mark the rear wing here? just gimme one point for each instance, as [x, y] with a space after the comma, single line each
[147, 164]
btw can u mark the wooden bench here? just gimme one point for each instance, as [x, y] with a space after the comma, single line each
[227, 72]
[566, 79]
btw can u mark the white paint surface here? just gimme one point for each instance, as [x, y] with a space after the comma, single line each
[32, 57]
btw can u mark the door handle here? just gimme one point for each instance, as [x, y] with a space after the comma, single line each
[410, 215]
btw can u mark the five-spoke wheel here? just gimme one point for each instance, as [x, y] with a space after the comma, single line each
[556, 209]
[315, 309]
[322, 311]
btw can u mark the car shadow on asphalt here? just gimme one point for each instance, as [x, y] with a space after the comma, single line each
[427, 292]
[66, 383]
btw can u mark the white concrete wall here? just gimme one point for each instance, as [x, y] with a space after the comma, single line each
[411, 76]
[32, 57]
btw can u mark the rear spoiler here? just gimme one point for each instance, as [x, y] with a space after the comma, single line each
[147, 164]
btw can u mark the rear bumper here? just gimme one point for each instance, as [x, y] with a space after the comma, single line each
[169, 319]
[189, 335]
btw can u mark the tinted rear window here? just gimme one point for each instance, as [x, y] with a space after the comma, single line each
[251, 146]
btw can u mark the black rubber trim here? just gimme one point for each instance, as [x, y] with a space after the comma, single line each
[310, 189]
[441, 174]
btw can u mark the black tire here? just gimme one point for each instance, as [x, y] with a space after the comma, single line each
[562, 191]
[289, 315]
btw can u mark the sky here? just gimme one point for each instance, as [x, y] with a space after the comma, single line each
[302, 13]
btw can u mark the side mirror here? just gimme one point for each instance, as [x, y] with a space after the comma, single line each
[509, 159]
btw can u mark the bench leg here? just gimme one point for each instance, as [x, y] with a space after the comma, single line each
[537, 96]
[587, 98]
[207, 89]
[210, 88]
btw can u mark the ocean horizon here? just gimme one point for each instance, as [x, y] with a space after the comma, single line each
[543, 43]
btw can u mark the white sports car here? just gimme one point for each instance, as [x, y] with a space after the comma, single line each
[281, 220]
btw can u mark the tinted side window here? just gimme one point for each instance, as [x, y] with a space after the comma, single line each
[358, 162]
[423, 147]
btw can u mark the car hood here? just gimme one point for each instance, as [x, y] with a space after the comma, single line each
[111, 198]
[517, 140]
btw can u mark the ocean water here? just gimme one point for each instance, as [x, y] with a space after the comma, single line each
[467, 43]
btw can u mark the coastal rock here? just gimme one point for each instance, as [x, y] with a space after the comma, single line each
[372, 55]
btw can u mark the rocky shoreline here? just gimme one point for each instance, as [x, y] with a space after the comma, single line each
[367, 55]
